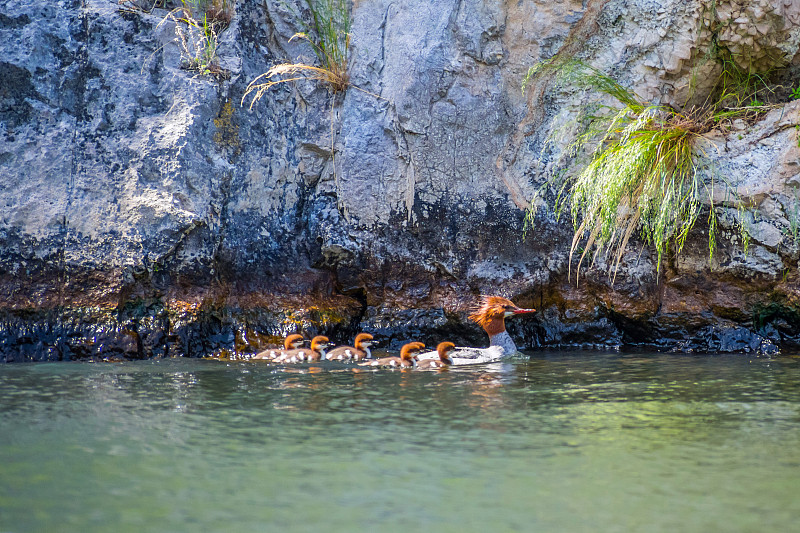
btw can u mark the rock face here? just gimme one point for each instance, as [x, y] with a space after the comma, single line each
[146, 213]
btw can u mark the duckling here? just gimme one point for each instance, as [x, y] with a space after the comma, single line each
[291, 342]
[406, 360]
[358, 352]
[444, 349]
[299, 355]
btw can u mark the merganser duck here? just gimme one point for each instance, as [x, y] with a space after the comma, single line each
[406, 360]
[299, 355]
[290, 343]
[491, 316]
[358, 352]
[444, 349]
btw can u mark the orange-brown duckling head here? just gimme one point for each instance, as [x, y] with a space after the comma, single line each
[363, 340]
[493, 311]
[319, 343]
[293, 341]
[409, 351]
[444, 349]
[421, 347]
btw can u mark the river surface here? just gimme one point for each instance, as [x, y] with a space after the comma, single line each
[561, 442]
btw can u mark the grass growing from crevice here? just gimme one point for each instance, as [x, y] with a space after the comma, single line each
[328, 33]
[198, 41]
[198, 25]
[793, 217]
[739, 93]
[737, 87]
[643, 169]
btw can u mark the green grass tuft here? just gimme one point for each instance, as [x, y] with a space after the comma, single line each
[331, 25]
[644, 170]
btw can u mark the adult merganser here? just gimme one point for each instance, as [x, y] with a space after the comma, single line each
[358, 352]
[299, 355]
[491, 316]
[290, 343]
[406, 360]
[444, 350]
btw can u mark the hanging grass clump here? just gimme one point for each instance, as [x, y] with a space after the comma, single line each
[647, 170]
[328, 33]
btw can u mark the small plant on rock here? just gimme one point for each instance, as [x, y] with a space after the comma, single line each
[793, 216]
[198, 24]
[328, 33]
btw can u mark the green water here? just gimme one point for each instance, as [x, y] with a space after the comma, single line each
[563, 442]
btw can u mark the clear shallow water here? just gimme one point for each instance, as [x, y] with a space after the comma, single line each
[563, 442]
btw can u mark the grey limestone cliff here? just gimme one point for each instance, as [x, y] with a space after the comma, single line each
[146, 212]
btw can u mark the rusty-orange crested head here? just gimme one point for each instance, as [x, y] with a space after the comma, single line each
[496, 308]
